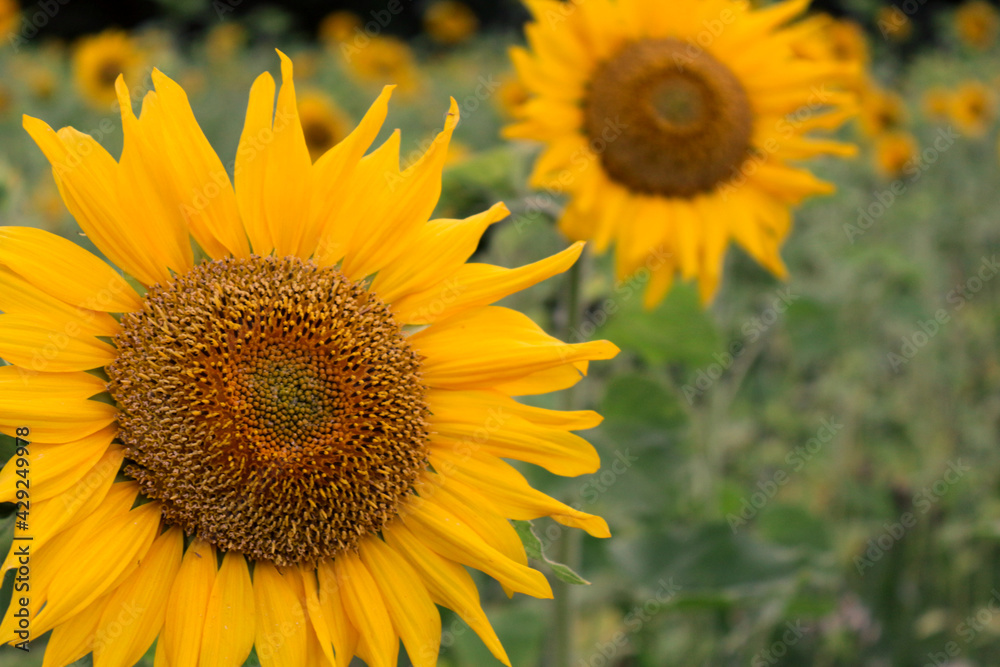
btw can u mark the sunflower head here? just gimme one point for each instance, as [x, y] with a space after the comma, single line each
[323, 123]
[224, 41]
[338, 27]
[882, 111]
[893, 152]
[893, 23]
[672, 144]
[936, 103]
[973, 108]
[98, 60]
[977, 23]
[450, 22]
[385, 59]
[10, 16]
[302, 438]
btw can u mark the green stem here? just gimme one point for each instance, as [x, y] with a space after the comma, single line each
[569, 545]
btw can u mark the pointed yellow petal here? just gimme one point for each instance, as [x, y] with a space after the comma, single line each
[378, 644]
[34, 343]
[134, 614]
[74, 639]
[410, 607]
[187, 606]
[448, 582]
[251, 164]
[483, 347]
[64, 270]
[20, 297]
[56, 419]
[280, 636]
[343, 632]
[230, 623]
[56, 468]
[443, 532]
[303, 579]
[288, 168]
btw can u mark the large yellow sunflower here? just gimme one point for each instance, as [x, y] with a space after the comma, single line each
[322, 405]
[673, 128]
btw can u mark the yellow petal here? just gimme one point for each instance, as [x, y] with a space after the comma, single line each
[454, 405]
[87, 177]
[280, 635]
[187, 606]
[303, 579]
[74, 639]
[104, 553]
[55, 468]
[443, 532]
[20, 297]
[65, 271]
[134, 614]
[56, 419]
[448, 582]
[251, 164]
[329, 176]
[378, 644]
[343, 633]
[230, 623]
[410, 607]
[475, 285]
[33, 343]
[16, 381]
[198, 180]
[480, 348]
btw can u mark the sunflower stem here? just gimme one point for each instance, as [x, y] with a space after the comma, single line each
[568, 546]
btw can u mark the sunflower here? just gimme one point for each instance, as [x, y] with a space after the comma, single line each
[893, 23]
[893, 152]
[97, 62]
[936, 103]
[881, 110]
[381, 60]
[224, 41]
[450, 22]
[973, 108]
[338, 27]
[323, 123]
[511, 95]
[670, 143]
[322, 404]
[976, 23]
[10, 16]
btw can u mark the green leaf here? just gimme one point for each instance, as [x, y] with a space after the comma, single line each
[534, 549]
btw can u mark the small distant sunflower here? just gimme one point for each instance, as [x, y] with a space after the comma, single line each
[324, 125]
[224, 41]
[821, 37]
[383, 60]
[450, 22]
[671, 148]
[893, 23]
[973, 108]
[977, 24]
[10, 16]
[512, 95]
[893, 152]
[881, 111]
[936, 103]
[338, 27]
[322, 404]
[99, 59]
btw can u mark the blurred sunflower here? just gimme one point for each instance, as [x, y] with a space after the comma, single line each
[936, 103]
[893, 151]
[848, 42]
[820, 37]
[324, 125]
[338, 27]
[972, 108]
[881, 111]
[224, 41]
[977, 23]
[893, 23]
[511, 95]
[450, 22]
[669, 148]
[99, 59]
[383, 60]
[10, 16]
[268, 401]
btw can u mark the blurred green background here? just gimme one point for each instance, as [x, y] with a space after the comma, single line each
[807, 473]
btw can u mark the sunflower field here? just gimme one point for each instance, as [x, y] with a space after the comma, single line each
[556, 333]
